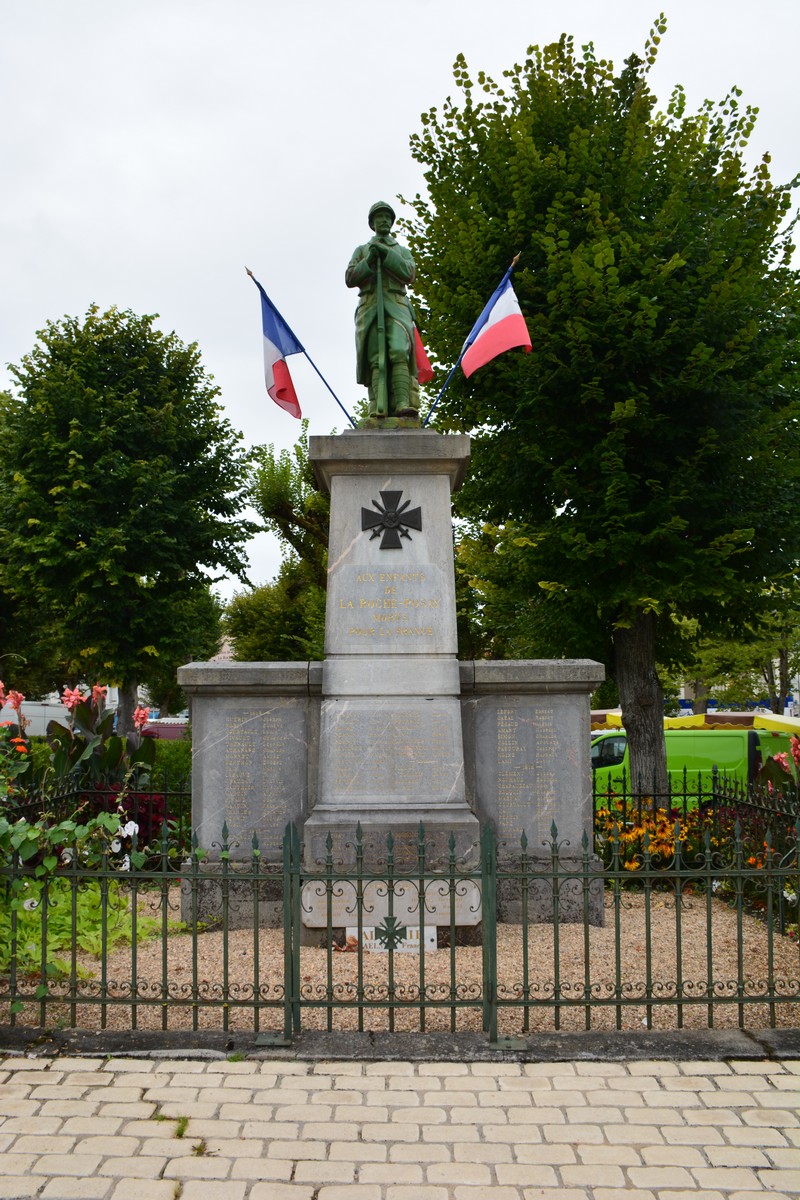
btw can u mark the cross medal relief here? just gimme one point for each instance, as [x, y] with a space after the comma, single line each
[391, 519]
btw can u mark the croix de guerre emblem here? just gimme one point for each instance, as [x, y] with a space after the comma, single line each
[392, 519]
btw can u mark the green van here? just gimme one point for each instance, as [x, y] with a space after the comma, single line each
[737, 754]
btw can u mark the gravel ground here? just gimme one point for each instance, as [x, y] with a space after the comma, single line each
[174, 962]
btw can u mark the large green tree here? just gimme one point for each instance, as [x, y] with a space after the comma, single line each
[644, 456]
[119, 482]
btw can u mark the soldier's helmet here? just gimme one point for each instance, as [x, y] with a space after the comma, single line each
[379, 206]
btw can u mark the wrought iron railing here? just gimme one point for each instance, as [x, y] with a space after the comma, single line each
[637, 929]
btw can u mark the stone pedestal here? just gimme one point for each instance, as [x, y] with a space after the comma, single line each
[391, 750]
[391, 730]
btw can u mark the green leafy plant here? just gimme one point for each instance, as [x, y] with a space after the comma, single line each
[21, 937]
[46, 869]
[88, 743]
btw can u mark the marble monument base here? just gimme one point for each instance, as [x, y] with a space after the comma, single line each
[440, 823]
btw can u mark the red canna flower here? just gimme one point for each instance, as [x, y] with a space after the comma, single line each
[795, 747]
[71, 699]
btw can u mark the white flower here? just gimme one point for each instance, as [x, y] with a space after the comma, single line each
[789, 895]
[129, 830]
[125, 863]
[30, 904]
[66, 856]
[716, 885]
[116, 845]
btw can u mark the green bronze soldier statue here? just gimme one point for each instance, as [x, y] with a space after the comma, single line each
[385, 346]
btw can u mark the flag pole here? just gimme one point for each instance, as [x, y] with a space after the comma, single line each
[465, 347]
[302, 347]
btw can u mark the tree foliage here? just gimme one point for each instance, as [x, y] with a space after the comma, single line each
[760, 665]
[284, 621]
[197, 629]
[120, 480]
[281, 621]
[646, 451]
[284, 492]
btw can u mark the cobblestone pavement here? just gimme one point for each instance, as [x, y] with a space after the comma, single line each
[157, 1129]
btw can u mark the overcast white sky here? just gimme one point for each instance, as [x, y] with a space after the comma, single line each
[150, 149]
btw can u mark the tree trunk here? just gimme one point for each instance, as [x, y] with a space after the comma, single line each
[783, 677]
[642, 703]
[128, 700]
[700, 701]
[768, 672]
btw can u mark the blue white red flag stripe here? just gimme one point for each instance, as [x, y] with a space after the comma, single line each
[500, 327]
[279, 343]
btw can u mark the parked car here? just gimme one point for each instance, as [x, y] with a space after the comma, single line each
[737, 754]
[169, 729]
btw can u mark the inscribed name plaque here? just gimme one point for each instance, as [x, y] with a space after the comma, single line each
[254, 771]
[384, 749]
[528, 759]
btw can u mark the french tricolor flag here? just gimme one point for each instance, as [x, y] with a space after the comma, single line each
[500, 327]
[279, 343]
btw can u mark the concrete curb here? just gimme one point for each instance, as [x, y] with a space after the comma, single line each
[713, 1045]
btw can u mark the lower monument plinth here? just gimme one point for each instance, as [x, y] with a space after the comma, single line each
[441, 825]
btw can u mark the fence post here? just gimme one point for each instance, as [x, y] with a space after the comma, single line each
[489, 930]
[288, 977]
[297, 900]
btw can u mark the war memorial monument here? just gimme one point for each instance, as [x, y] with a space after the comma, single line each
[391, 730]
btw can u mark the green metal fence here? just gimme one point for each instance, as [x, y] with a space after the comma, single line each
[149, 802]
[657, 923]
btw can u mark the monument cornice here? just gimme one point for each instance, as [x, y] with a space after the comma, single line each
[396, 452]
